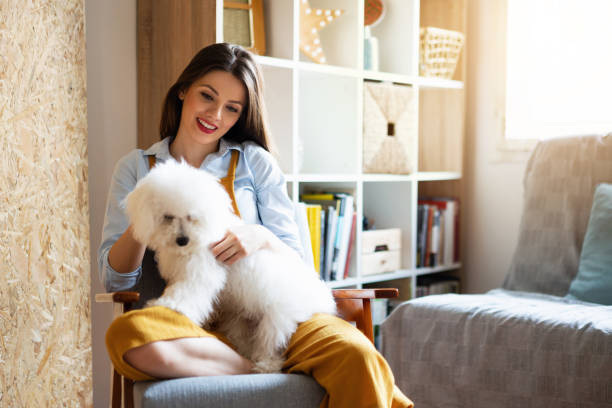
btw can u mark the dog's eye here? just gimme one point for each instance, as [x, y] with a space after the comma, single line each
[168, 217]
[191, 218]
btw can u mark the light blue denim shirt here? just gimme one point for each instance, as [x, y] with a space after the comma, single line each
[259, 188]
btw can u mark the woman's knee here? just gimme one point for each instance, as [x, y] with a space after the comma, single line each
[158, 354]
[122, 327]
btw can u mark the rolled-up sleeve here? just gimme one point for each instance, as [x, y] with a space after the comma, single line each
[116, 222]
[276, 210]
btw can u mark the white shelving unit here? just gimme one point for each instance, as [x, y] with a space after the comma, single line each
[316, 115]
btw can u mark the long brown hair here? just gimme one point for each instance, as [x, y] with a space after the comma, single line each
[252, 124]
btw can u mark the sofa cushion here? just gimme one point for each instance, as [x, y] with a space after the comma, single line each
[501, 349]
[594, 280]
[559, 182]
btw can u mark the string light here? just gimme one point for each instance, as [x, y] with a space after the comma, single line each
[311, 21]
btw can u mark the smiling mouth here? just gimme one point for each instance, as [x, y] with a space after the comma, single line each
[206, 125]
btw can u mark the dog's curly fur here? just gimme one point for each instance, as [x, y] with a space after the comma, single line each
[179, 211]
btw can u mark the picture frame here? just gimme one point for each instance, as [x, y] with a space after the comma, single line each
[243, 24]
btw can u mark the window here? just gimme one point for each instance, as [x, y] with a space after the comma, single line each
[559, 68]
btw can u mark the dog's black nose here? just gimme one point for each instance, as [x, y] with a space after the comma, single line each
[182, 241]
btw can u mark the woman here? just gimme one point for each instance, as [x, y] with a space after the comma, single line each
[213, 118]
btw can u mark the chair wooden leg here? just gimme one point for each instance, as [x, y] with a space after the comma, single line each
[128, 393]
[116, 390]
[367, 328]
[358, 311]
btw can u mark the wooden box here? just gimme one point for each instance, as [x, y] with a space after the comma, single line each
[390, 128]
[380, 250]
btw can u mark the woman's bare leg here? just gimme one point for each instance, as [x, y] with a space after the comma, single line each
[187, 357]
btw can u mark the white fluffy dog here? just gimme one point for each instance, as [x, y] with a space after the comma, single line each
[179, 211]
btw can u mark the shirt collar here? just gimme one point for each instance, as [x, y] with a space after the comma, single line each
[226, 145]
[161, 149]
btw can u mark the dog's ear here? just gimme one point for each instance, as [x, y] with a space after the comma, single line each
[139, 208]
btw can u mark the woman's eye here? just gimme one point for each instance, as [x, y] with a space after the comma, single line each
[232, 109]
[207, 96]
[168, 217]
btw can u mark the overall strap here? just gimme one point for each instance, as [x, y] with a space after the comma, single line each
[227, 182]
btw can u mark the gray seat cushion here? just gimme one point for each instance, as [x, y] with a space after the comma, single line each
[235, 391]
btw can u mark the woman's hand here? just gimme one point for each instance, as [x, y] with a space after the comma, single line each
[240, 242]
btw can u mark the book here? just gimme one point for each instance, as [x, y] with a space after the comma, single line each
[302, 220]
[322, 241]
[313, 214]
[332, 225]
[434, 238]
[436, 285]
[351, 244]
[336, 231]
[423, 234]
[318, 196]
[330, 206]
[342, 235]
[429, 225]
[450, 240]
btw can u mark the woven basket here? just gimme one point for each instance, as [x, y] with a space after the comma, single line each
[390, 126]
[439, 52]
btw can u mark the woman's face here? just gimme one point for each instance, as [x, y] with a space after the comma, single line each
[211, 106]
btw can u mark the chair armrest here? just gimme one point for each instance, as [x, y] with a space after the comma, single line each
[383, 293]
[122, 301]
[117, 297]
[354, 306]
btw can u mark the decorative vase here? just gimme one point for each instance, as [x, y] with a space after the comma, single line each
[370, 51]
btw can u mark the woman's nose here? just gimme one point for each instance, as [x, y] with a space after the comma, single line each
[215, 111]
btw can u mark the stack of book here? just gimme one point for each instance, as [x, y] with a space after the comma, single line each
[436, 285]
[437, 232]
[331, 220]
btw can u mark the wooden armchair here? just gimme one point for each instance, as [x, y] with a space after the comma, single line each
[353, 305]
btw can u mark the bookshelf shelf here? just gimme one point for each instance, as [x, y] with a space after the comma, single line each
[439, 83]
[423, 82]
[324, 116]
[399, 274]
[438, 175]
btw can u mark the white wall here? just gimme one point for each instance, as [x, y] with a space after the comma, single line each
[493, 185]
[112, 126]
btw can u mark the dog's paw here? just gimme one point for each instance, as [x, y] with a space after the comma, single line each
[269, 365]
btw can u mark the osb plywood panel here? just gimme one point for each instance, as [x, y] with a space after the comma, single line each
[45, 340]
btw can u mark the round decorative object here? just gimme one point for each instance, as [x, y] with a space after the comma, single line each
[373, 10]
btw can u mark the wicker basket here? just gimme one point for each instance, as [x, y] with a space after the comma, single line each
[390, 128]
[439, 52]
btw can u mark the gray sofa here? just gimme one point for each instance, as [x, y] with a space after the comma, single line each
[525, 344]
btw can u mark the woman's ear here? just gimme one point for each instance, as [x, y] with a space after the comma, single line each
[139, 208]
